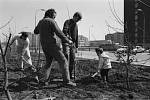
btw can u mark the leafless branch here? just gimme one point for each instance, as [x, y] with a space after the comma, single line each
[6, 23]
[116, 17]
[117, 14]
[3, 54]
[115, 29]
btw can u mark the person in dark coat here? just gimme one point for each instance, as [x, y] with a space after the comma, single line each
[70, 29]
[48, 29]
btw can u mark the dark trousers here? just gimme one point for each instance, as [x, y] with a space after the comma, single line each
[104, 74]
[69, 52]
[54, 52]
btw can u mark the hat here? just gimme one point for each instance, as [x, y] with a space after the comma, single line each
[25, 34]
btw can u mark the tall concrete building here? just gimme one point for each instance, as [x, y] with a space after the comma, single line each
[137, 22]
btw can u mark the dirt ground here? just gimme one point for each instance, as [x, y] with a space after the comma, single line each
[22, 87]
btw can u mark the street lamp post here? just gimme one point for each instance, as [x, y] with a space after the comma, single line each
[140, 10]
[90, 31]
[36, 38]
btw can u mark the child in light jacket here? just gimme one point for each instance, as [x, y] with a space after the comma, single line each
[104, 65]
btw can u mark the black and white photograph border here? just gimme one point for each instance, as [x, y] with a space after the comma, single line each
[119, 27]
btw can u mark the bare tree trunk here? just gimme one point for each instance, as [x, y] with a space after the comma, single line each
[127, 66]
[5, 68]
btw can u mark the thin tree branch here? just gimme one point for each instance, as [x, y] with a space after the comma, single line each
[114, 14]
[117, 14]
[115, 29]
[3, 54]
[6, 23]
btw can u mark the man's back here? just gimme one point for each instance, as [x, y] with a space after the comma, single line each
[46, 30]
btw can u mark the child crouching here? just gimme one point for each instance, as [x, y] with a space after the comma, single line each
[104, 65]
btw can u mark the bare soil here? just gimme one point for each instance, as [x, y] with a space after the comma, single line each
[22, 87]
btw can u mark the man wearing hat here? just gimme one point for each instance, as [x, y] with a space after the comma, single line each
[70, 29]
[22, 48]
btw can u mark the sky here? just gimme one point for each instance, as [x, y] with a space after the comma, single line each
[96, 15]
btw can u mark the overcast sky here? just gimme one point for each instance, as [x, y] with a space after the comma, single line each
[95, 14]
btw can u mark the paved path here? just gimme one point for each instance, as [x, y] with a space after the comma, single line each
[140, 58]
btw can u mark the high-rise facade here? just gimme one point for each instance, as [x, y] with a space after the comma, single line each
[137, 22]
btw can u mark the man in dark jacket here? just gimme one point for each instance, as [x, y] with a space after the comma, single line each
[48, 29]
[70, 29]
